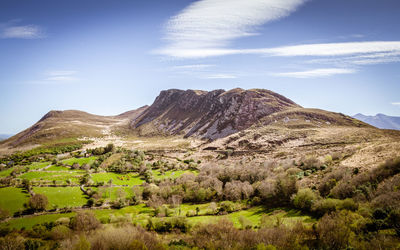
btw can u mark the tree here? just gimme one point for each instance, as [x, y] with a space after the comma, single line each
[84, 180]
[304, 199]
[84, 221]
[38, 202]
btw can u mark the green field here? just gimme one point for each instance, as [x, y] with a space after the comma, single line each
[38, 165]
[50, 176]
[254, 215]
[58, 168]
[112, 193]
[80, 161]
[62, 196]
[12, 199]
[30, 221]
[173, 174]
[118, 179]
[6, 172]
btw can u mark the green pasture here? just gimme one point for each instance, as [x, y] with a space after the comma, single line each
[80, 161]
[118, 179]
[62, 196]
[12, 199]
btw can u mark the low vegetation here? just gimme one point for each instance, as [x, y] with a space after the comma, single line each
[113, 198]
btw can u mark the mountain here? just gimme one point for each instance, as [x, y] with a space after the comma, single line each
[56, 125]
[254, 119]
[380, 121]
[217, 114]
[210, 115]
[4, 136]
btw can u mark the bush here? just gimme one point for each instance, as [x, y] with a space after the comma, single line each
[304, 199]
[3, 214]
[166, 225]
[38, 202]
[324, 206]
[333, 232]
[84, 221]
[60, 232]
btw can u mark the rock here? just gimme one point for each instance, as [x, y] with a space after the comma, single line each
[208, 115]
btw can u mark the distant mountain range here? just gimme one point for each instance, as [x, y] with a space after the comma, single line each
[4, 136]
[380, 121]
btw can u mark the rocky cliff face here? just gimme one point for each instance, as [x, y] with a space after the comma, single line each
[210, 115]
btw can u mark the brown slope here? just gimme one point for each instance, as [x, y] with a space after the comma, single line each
[210, 115]
[56, 125]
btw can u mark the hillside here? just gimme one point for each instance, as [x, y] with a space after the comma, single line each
[380, 121]
[251, 160]
[209, 115]
[56, 125]
[249, 122]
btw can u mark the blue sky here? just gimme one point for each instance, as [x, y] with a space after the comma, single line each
[109, 56]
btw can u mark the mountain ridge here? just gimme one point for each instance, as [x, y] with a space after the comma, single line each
[199, 114]
[381, 121]
[208, 114]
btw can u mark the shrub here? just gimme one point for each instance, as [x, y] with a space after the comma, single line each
[60, 232]
[324, 206]
[349, 204]
[125, 237]
[3, 214]
[333, 232]
[12, 242]
[38, 202]
[304, 199]
[84, 221]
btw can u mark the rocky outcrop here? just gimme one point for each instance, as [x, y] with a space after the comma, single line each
[210, 115]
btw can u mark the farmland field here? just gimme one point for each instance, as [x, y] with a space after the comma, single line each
[62, 196]
[12, 199]
[118, 179]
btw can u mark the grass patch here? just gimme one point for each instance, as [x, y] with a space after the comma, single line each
[29, 222]
[62, 196]
[12, 199]
[118, 179]
[50, 176]
[58, 168]
[173, 174]
[38, 165]
[80, 161]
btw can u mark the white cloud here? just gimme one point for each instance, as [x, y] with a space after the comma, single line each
[210, 25]
[220, 76]
[396, 103]
[61, 73]
[334, 49]
[62, 76]
[373, 49]
[193, 67]
[62, 79]
[11, 30]
[315, 73]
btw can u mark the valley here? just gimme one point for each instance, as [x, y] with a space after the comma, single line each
[177, 170]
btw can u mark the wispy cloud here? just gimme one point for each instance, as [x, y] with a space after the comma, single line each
[334, 49]
[219, 76]
[315, 73]
[193, 67]
[371, 49]
[396, 103]
[13, 29]
[61, 76]
[210, 25]
[58, 77]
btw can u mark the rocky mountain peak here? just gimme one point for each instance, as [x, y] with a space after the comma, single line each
[208, 114]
